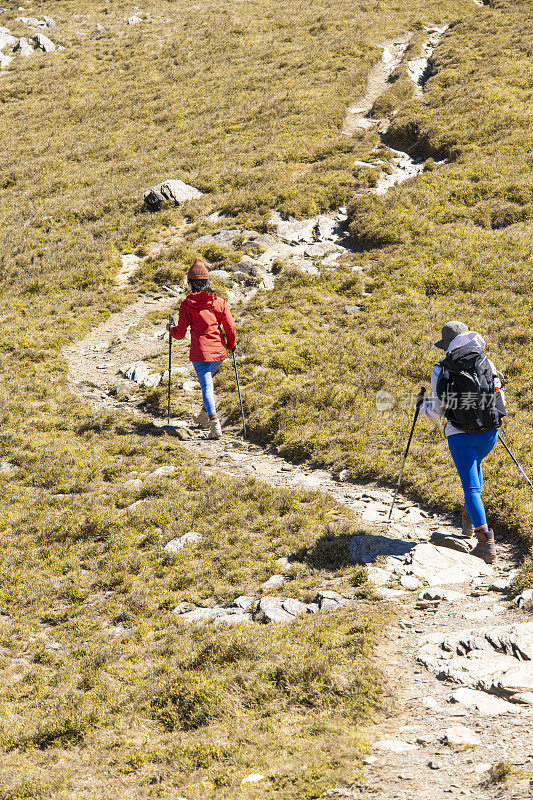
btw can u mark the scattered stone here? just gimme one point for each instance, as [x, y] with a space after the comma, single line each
[256, 777]
[183, 607]
[480, 768]
[479, 614]
[487, 705]
[33, 22]
[201, 615]
[134, 485]
[5, 61]
[370, 760]
[171, 191]
[459, 737]
[366, 549]
[438, 594]
[161, 472]
[134, 20]
[270, 609]
[431, 703]
[262, 243]
[451, 541]
[244, 601]
[393, 594]
[42, 42]
[500, 584]
[49, 22]
[6, 40]
[353, 310]
[24, 48]
[410, 582]
[524, 599]
[523, 698]
[191, 537]
[273, 582]
[378, 576]
[6, 468]
[344, 475]
[395, 746]
[190, 386]
[435, 765]
[295, 607]
[152, 380]
[292, 231]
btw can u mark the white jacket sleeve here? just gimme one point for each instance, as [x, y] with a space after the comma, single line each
[432, 408]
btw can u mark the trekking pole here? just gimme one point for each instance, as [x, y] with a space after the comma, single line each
[502, 440]
[239, 391]
[417, 412]
[170, 322]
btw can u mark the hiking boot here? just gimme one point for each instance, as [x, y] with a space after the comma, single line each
[485, 547]
[215, 431]
[202, 420]
[468, 528]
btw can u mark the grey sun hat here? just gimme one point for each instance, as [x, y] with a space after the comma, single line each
[449, 332]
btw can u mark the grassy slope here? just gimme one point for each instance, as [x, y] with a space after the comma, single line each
[454, 243]
[138, 713]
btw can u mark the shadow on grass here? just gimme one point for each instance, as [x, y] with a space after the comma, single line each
[332, 553]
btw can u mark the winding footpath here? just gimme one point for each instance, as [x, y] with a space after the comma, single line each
[458, 662]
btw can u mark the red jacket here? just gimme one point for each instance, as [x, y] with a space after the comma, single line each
[204, 312]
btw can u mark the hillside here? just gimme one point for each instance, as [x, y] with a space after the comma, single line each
[106, 692]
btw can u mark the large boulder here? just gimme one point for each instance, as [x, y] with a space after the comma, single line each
[170, 192]
[6, 40]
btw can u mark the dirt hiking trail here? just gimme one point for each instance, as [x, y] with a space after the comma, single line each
[458, 663]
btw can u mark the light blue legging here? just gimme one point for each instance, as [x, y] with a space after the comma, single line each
[468, 451]
[205, 371]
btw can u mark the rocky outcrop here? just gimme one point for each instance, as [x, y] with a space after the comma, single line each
[172, 192]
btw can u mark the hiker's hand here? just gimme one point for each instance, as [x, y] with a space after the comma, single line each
[420, 398]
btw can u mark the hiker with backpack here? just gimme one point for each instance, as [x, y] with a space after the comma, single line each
[466, 388]
[206, 314]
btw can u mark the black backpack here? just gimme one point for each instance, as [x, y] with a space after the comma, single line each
[466, 389]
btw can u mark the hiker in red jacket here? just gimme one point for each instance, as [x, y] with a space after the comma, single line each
[206, 314]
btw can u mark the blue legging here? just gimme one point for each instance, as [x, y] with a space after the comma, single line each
[468, 451]
[205, 371]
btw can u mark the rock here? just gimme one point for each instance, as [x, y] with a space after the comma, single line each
[500, 584]
[279, 252]
[138, 371]
[152, 380]
[134, 485]
[190, 386]
[268, 283]
[431, 703]
[410, 582]
[256, 777]
[171, 191]
[33, 22]
[353, 310]
[6, 468]
[478, 615]
[6, 40]
[42, 42]
[183, 607]
[395, 746]
[201, 616]
[224, 238]
[188, 538]
[524, 698]
[293, 232]
[486, 704]
[262, 243]
[392, 594]
[365, 549]
[435, 764]
[482, 767]
[378, 576]
[497, 660]
[232, 617]
[244, 601]
[294, 607]
[161, 472]
[449, 595]
[459, 737]
[304, 265]
[49, 22]
[524, 599]
[5, 61]
[134, 20]
[344, 475]
[24, 48]
[328, 599]
[451, 541]
[439, 565]
[306, 481]
[273, 582]
[270, 610]
[370, 760]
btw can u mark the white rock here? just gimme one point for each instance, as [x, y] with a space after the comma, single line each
[201, 615]
[459, 737]
[366, 549]
[42, 42]
[255, 777]
[244, 601]
[393, 594]
[370, 760]
[6, 467]
[479, 615]
[190, 386]
[524, 599]
[134, 485]
[449, 595]
[480, 768]
[294, 607]
[344, 475]
[161, 472]
[134, 20]
[431, 703]
[486, 704]
[273, 582]
[49, 22]
[410, 582]
[152, 380]
[33, 22]
[395, 746]
[525, 698]
[24, 48]
[378, 576]
[270, 610]
[294, 232]
[171, 191]
[5, 61]
[191, 537]
[6, 40]
[232, 618]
